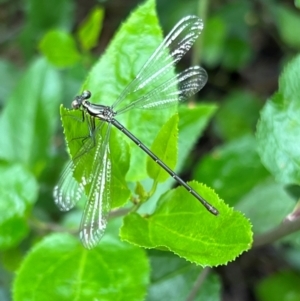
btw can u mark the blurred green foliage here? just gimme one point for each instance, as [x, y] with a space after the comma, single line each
[48, 48]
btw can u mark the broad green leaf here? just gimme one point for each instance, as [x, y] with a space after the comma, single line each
[182, 225]
[278, 130]
[266, 205]
[232, 169]
[28, 121]
[9, 76]
[297, 3]
[18, 192]
[59, 48]
[133, 44]
[237, 115]
[280, 286]
[89, 30]
[287, 18]
[165, 148]
[77, 132]
[173, 278]
[59, 268]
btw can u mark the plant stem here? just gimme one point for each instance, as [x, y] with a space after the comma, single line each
[202, 13]
[198, 283]
[280, 231]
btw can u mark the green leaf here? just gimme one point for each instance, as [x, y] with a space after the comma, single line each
[237, 115]
[173, 278]
[236, 50]
[286, 19]
[280, 286]
[278, 130]
[237, 53]
[297, 3]
[232, 169]
[192, 122]
[214, 36]
[120, 157]
[59, 48]
[164, 149]
[42, 16]
[182, 225]
[64, 270]
[90, 29]
[17, 195]
[28, 121]
[9, 76]
[266, 205]
[133, 44]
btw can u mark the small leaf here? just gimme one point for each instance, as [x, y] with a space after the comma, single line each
[120, 157]
[278, 130]
[165, 148]
[192, 122]
[280, 286]
[64, 270]
[232, 169]
[237, 53]
[59, 48]
[89, 30]
[182, 225]
[41, 16]
[17, 194]
[28, 121]
[168, 270]
[237, 115]
[287, 18]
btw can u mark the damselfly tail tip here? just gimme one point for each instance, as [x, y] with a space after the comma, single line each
[213, 210]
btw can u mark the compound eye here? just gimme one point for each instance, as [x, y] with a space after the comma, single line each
[86, 94]
[75, 104]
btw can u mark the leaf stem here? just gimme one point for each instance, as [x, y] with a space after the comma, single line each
[285, 228]
[198, 283]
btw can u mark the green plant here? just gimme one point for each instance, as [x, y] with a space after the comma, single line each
[160, 242]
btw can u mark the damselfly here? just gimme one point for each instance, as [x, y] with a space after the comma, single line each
[167, 90]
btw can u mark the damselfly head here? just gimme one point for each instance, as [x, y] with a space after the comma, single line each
[77, 102]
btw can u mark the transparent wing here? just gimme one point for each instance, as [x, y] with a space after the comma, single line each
[177, 88]
[161, 64]
[95, 215]
[69, 191]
